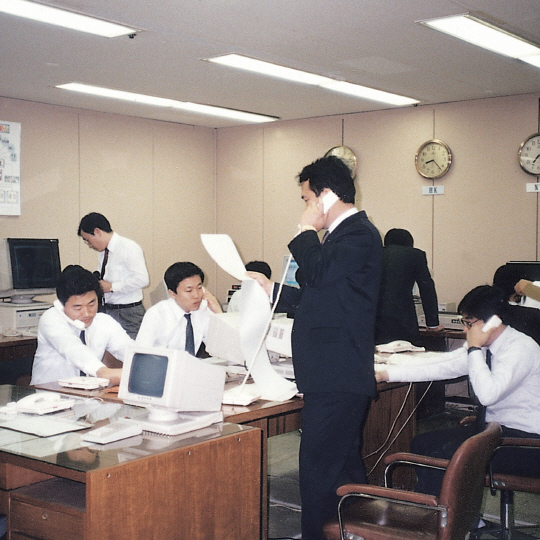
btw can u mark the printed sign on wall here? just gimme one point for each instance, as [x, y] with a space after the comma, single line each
[10, 168]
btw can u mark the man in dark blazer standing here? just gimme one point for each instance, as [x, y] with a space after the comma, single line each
[403, 266]
[333, 336]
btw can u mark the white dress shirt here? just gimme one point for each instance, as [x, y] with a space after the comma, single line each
[125, 269]
[164, 325]
[61, 353]
[510, 390]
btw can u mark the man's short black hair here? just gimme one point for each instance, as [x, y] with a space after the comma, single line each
[398, 237]
[259, 266]
[76, 281]
[483, 302]
[179, 271]
[329, 172]
[93, 221]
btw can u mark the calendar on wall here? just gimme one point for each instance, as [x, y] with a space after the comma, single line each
[10, 168]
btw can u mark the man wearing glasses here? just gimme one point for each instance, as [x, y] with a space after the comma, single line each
[503, 366]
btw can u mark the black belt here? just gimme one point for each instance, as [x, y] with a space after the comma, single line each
[123, 306]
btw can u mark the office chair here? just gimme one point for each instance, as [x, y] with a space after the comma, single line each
[382, 513]
[507, 484]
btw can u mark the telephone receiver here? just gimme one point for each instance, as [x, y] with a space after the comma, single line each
[328, 200]
[76, 323]
[43, 403]
[493, 322]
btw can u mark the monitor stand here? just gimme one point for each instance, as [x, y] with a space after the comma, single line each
[183, 423]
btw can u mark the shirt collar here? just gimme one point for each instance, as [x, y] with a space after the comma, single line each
[342, 218]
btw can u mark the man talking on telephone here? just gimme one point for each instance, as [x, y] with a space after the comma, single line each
[333, 335]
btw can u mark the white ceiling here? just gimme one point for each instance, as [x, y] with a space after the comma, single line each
[374, 43]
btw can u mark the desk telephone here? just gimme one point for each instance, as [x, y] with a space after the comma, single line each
[43, 403]
[398, 346]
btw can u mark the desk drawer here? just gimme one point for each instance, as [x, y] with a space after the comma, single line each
[51, 510]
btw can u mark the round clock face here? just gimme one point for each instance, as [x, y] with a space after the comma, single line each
[433, 159]
[529, 155]
[345, 154]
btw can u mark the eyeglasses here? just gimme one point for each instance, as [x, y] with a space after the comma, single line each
[466, 323]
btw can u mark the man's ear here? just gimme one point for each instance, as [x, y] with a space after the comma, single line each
[172, 294]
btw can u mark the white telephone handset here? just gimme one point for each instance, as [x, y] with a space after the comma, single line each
[493, 322]
[328, 201]
[43, 403]
[76, 323]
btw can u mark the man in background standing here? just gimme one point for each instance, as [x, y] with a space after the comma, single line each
[122, 271]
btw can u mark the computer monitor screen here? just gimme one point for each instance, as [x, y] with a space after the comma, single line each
[527, 269]
[168, 381]
[148, 373]
[289, 269]
[28, 267]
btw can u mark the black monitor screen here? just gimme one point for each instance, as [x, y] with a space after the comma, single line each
[526, 269]
[35, 263]
[147, 375]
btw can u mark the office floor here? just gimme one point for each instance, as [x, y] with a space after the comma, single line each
[284, 496]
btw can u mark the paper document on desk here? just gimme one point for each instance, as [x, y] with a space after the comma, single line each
[255, 315]
[42, 426]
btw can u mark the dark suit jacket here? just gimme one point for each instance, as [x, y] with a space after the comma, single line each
[396, 319]
[334, 323]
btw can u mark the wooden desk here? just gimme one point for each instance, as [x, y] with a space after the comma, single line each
[390, 417]
[13, 348]
[210, 483]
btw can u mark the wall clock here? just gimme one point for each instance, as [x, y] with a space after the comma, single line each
[433, 159]
[529, 155]
[345, 154]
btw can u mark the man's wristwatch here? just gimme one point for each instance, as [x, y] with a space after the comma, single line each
[471, 349]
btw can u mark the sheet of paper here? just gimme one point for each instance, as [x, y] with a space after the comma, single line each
[255, 316]
[222, 249]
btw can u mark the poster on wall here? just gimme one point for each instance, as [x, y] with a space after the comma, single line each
[10, 168]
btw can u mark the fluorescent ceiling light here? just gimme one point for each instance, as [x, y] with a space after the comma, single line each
[303, 77]
[485, 35]
[63, 18]
[171, 103]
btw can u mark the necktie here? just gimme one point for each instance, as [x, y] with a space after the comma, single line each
[82, 335]
[190, 340]
[325, 237]
[104, 263]
[480, 423]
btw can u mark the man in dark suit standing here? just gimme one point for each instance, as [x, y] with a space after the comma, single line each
[403, 266]
[333, 336]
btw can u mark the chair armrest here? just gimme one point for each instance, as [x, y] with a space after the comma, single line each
[377, 492]
[521, 442]
[406, 458]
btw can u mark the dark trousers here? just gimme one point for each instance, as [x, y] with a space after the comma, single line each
[443, 443]
[129, 318]
[330, 454]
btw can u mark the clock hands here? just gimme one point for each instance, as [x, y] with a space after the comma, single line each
[433, 161]
[534, 161]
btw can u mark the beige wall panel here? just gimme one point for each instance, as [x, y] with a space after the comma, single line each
[116, 159]
[288, 147]
[240, 194]
[389, 187]
[183, 198]
[49, 171]
[485, 218]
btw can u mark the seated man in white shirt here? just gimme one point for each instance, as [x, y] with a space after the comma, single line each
[503, 366]
[62, 351]
[180, 322]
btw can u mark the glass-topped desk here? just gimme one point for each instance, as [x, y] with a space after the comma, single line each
[205, 484]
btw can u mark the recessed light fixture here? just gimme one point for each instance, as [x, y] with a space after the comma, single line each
[486, 35]
[304, 77]
[164, 102]
[66, 19]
